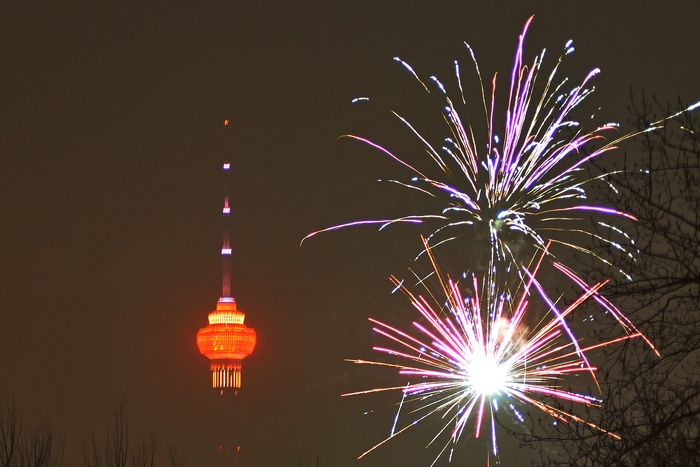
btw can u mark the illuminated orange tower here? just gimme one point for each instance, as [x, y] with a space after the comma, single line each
[226, 341]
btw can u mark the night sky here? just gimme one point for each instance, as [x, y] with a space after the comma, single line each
[111, 144]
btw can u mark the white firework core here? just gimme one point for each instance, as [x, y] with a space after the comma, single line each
[485, 376]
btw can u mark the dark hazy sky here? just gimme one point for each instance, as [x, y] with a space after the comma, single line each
[110, 192]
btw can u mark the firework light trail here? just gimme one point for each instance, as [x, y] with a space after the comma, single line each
[474, 355]
[530, 182]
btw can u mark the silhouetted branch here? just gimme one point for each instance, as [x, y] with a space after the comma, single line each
[652, 403]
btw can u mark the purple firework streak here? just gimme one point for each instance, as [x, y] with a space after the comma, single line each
[472, 352]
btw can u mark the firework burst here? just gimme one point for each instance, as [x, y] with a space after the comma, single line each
[472, 353]
[528, 184]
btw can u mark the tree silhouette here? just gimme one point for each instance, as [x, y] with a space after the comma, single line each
[652, 402]
[36, 446]
[23, 446]
[120, 451]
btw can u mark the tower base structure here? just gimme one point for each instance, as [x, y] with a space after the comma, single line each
[226, 374]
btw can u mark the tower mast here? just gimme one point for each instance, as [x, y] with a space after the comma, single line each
[226, 247]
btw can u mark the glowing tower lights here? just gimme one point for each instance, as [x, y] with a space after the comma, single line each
[226, 341]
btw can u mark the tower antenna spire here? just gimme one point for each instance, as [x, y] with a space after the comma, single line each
[226, 250]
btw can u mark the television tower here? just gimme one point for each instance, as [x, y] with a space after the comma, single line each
[226, 341]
